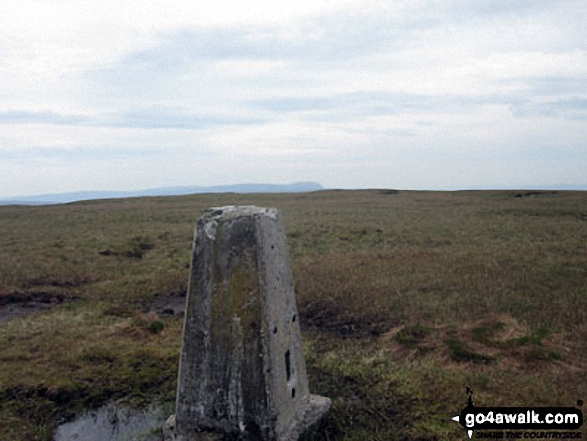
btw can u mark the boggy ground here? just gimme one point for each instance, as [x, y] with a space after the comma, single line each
[405, 299]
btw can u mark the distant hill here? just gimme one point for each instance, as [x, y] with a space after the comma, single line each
[63, 198]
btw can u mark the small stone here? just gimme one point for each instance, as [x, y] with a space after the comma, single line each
[169, 429]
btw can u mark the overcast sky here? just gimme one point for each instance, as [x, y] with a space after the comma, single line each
[414, 94]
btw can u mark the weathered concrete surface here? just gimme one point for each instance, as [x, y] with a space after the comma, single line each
[242, 367]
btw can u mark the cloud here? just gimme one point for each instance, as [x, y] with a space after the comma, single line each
[43, 117]
[360, 105]
[498, 8]
[550, 85]
[79, 153]
[549, 97]
[404, 47]
[574, 108]
[149, 118]
[331, 38]
[423, 92]
[157, 118]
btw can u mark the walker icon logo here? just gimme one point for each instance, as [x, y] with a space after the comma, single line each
[519, 418]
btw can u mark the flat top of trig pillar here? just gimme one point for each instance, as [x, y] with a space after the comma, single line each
[234, 211]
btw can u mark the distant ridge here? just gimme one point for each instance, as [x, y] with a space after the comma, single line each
[64, 198]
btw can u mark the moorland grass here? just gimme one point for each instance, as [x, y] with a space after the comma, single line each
[405, 298]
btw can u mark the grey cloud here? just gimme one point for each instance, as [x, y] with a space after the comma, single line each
[540, 25]
[164, 118]
[79, 153]
[359, 105]
[151, 118]
[366, 103]
[389, 132]
[340, 38]
[550, 85]
[188, 45]
[331, 38]
[486, 8]
[46, 117]
[574, 108]
[295, 104]
[549, 96]
[334, 41]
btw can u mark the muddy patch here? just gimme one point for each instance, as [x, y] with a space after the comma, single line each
[330, 317]
[168, 306]
[116, 423]
[526, 194]
[14, 303]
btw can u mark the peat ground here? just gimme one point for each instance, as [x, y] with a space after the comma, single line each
[405, 299]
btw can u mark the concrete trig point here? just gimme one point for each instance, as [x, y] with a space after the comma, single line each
[242, 369]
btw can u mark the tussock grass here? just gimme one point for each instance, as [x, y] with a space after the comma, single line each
[405, 298]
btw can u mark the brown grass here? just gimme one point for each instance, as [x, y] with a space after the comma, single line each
[405, 298]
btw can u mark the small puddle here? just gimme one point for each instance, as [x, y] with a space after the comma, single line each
[116, 423]
[8, 312]
[16, 303]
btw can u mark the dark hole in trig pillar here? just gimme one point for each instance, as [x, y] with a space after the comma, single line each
[288, 365]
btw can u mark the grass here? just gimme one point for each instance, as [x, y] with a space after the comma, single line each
[460, 351]
[412, 335]
[405, 299]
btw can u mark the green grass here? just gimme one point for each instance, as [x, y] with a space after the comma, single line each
[405, 299]
[460, 351]
[412, 335]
